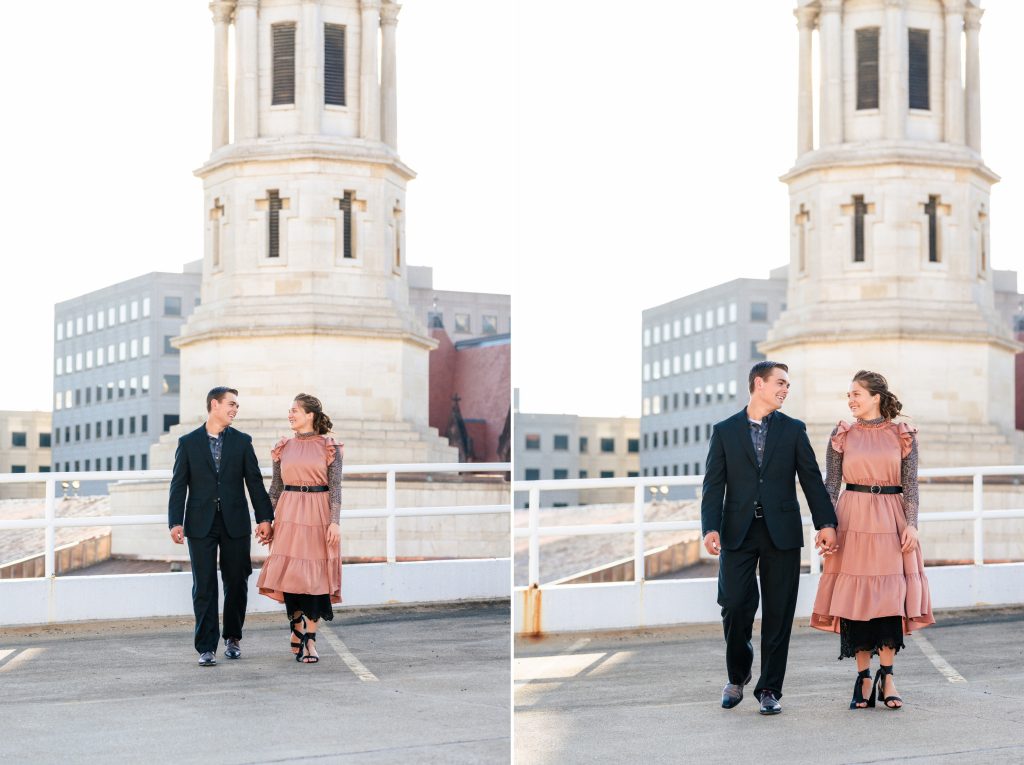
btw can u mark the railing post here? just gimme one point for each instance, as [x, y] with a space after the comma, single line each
[389, 504]
[533, 554]
[976, 507]
[50, 514]
[638, 533]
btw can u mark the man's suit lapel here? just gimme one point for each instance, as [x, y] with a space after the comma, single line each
[203, 443]
[743, 431]
[778, 422]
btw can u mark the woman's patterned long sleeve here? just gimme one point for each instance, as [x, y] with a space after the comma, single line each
[833, 471]
[276, 485]
[334, 485]
[908, 480]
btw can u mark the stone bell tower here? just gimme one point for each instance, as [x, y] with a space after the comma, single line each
[304, 275]
[890, 265]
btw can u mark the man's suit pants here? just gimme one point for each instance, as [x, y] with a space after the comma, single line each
[235, 568]
[738, 597]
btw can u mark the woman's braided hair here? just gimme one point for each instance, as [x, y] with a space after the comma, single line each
[877, 385]
[311, 404]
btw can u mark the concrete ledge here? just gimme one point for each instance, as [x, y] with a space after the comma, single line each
[626, 605]
[132, 596]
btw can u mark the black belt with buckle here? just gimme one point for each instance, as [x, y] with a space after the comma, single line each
[305, 489]
[874, 488]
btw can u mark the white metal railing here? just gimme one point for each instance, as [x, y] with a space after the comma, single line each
[50, 522]
[533, 531]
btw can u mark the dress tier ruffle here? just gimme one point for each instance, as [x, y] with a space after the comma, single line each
[870, 576]
[300, 560]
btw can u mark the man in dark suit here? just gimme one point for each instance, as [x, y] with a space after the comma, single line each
[207, 505]
[751, 517]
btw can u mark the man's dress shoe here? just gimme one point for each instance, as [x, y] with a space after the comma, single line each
[732, 694]
[769, 704]
[207, 659]
[232, 649]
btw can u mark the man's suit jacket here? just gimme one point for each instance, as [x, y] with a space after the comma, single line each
[733, 482]
[196, 485]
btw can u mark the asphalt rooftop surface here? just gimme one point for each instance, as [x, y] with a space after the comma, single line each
[654, 696]
[398, 684]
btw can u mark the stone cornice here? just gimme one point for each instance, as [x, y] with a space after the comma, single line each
[910, 153]
[223, 332]
[831, 6]
[321, 147]
[954, 7]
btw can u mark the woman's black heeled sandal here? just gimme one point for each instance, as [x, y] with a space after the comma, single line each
[858, 691]
[297, 647]
[884, 670]
[310, 658]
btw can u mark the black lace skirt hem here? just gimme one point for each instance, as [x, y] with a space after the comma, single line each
[313, 607]
[855, 636]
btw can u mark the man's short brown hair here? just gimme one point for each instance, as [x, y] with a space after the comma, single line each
[218, 393]
[763, 369]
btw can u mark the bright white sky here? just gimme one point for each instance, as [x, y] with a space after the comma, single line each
[650, 141]
[107, 113]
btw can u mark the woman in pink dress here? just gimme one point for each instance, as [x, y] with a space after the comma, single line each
[303, 570]
[873, 589]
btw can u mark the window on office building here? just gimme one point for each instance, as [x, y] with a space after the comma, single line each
[561, 443]
[120, 463]
[532, 474]
[145, 423]
[19, 438]
[607, 445]
[131, 462]
[607, 473]
[88, 431]
[686, 434]
[17, 468]
[654, 440]
[584, 474]
[633, 445]
[707, 432]
[110, 463]
[133, 348]
[110, 428]
[131, 425]
[584, 444]
[488, 325]
[78, 434]
[145, 306]
[759, 311]
[696, 468]
[675, 437]
[533, 441]
[560, 474]
[170, 420]
[172, 384]
[462, 323]
[687, 325]
[144, 460]
[120, 426]
[172, 306]
[756, 355]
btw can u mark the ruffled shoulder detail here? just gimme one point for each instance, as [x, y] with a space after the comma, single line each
[907, 433]
[333, 447]
[839, 437]
[275, 453]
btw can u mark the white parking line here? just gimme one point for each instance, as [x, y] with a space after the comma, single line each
[357, 667]
[21, 658]
[941, 664]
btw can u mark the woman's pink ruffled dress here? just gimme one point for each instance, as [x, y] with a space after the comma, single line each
[870, 577]
[300, 559]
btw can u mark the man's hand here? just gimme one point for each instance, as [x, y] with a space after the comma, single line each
[178, 535]
[909, 539]
[333, 534]
[264, 533]
[825, 542]
[712, 543]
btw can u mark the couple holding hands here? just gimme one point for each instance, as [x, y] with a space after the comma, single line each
[872, 590]
[298, 519]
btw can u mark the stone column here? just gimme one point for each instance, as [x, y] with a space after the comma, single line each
[973, 24]
[805, 18]
[369, 87]
[246, 71]
[388, 75]
[221, 10]
[895, 93]
[311, 91]
[831, 43]
[954, 104]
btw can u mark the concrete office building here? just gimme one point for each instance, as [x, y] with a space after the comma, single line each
[116, 374]
[464, 315]
[24, 448]
[697, 353]
[557, 446]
